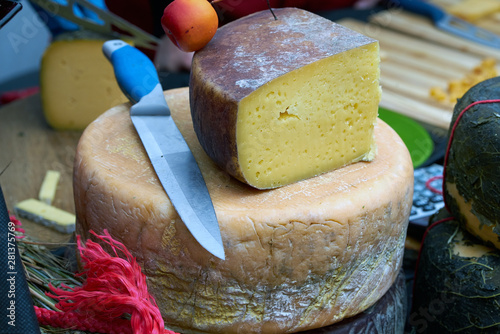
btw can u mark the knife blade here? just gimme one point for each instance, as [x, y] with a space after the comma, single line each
[450, 23]
[168, 152]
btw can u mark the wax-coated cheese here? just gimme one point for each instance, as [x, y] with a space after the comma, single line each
[278, 101]
[77, 82]
[298, 257]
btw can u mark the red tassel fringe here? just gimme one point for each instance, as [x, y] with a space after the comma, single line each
[18, 227]
[115, 289]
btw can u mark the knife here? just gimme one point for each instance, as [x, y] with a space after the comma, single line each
[450, 23]
[168, 152]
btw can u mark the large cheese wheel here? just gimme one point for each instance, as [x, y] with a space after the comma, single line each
[297, 257]
[457, 283]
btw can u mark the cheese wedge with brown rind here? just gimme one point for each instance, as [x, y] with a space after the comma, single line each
[278, 101]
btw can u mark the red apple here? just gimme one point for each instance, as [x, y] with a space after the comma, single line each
[190, 24]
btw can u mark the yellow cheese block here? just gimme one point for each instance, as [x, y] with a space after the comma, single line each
[77, 82]
[473, 10]
[278, 101]
[45, 214]
[49, 186]
[298, 257]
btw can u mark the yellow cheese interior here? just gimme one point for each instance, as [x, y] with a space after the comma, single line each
[473, 225]
[467, 248]
[49, 186]
[312, 120]
[77, 84]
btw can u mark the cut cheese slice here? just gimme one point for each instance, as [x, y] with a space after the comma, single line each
[298, 257]
[48, 215]
[49, 186]
[278, 101]
[77, 82]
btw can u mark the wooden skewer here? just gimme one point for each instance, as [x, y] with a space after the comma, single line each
[406, 89]
[416, 109]
[422, 27]
[406, 75]
[415, 47]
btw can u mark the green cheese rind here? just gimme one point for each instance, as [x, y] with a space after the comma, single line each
[474, 160]
[454, 293]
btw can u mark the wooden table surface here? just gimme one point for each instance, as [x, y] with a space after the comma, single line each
[28, 149]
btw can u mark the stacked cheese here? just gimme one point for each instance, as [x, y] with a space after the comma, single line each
[297, 257]
[302, 256]
[457, 285]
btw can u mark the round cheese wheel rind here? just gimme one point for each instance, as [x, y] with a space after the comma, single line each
[387, 316]
[298, 257]
[472, 185]
[457, 283]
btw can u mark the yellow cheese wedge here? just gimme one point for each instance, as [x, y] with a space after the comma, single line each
[278, 101]
[47, 215]
[298, 257]
[49, 186]
[77, 82]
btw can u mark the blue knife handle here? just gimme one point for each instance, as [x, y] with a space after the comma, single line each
[422, 8]
[134, 71]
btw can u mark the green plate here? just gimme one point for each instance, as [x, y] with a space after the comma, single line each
[416, 138]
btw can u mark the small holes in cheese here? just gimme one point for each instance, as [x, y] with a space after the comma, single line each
[301, 118]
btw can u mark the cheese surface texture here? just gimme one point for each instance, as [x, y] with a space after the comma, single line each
[386, 316]
[278, 101]
[298, 257]
[457, 282]
[77, 83]
[472, 183]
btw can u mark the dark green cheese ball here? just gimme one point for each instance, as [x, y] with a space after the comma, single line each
[457, 283]
[472, 183]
